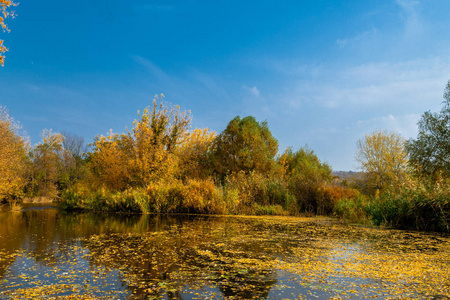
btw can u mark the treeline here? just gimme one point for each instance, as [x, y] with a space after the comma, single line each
[162, 165]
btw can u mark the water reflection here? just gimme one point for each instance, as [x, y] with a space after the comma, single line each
[47, 252]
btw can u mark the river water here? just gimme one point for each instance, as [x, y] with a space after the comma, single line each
[49, 254]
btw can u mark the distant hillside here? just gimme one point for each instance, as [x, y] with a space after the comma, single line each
[349, 176]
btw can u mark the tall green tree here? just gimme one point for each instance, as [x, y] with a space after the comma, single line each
[245, 145]
[429, 153]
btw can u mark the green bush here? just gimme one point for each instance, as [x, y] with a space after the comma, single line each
[353, 210]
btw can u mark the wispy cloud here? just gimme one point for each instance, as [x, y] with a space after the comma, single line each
[405, 125]
[403, 85]
[410, 15]
[152, 68]
[252, 90]
[363, 36]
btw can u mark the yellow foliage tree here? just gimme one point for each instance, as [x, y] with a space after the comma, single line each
[193, 153]
[108, 162]
[382, 156]
[144, 154]
[12, 158]
[4, 5]
[154, 139]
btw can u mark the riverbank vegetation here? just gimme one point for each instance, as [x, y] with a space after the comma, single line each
[162, 165]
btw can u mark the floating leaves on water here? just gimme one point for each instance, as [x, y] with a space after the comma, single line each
[235, 258]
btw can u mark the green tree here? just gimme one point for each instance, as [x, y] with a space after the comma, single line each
[430, 152]
[305, 174]
[382, 156]
[245, 145]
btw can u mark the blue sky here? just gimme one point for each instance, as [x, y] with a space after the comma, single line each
[322, 73]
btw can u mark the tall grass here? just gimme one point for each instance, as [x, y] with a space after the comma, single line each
[417, 205]
[257, 193]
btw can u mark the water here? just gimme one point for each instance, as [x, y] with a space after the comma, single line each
[52, 254]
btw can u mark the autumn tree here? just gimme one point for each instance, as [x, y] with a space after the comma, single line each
[45, 160]
[245, 145]
[429, 153]
[382, 156]
[154, 139]
[4, 8]
[144, 154]
[12, 158]
[193, 153]
[108, 163]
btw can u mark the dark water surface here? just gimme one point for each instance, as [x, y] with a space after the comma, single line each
[50, 254]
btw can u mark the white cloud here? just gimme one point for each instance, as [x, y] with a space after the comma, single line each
[405, 125]
[354, 100]
[366, 35]
[253, 90]
[410, 15]
[407, 85]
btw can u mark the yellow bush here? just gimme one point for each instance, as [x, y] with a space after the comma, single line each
[203, 196]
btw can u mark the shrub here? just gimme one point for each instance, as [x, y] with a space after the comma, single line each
[164, 197]
[202, 196]
[268, 209]
[329, 195]
[231, 199]
[352, 209]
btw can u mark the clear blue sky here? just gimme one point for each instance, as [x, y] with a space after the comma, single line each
[322, 73]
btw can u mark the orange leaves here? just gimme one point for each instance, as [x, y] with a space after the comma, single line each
[3, 49]
[109, 163]
[12, 157]
[144, 154]
[335, 192]
[4, 5]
